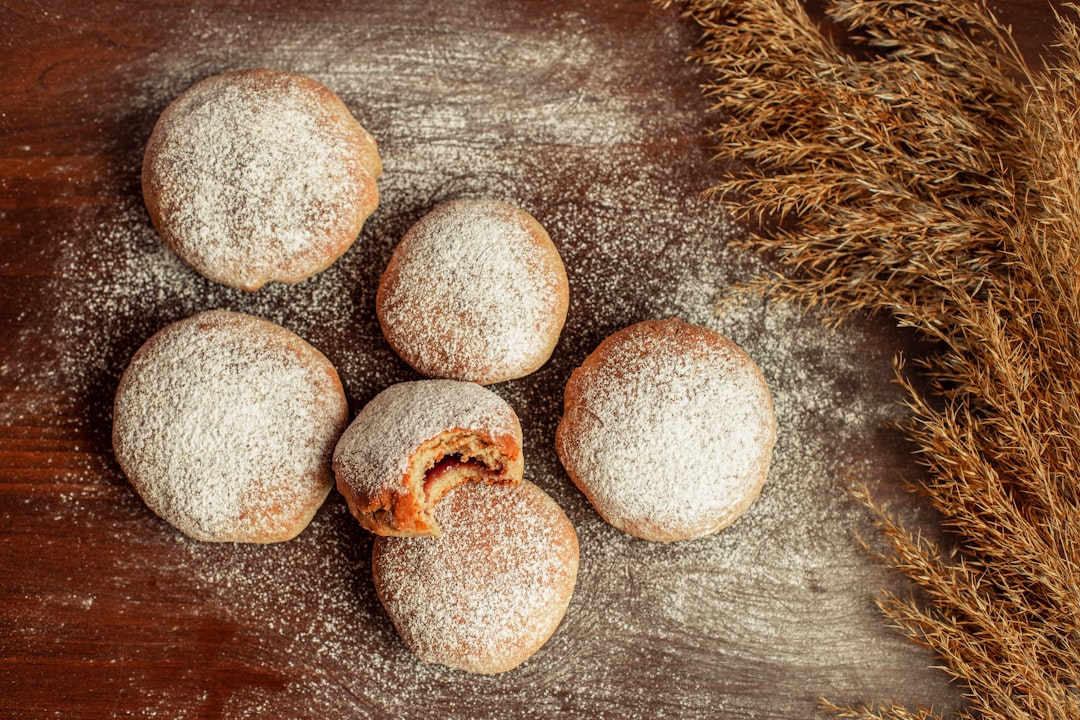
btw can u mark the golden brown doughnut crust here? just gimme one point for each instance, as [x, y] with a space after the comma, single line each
[668, 430]
[414, 442]
[488, 593]
[259, 175]
[474, 291]
[224, 424]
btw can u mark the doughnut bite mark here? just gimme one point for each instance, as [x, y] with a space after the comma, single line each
[259, 175]
[488, 593]
[668, 430]
[474, 291]
[414, 442]
[225, 423]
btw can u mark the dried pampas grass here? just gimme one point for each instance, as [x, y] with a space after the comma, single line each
[932, 175]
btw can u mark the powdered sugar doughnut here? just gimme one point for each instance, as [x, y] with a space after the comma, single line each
[474, 291]
[668, 429]
[224, 423]
[259, 175]
[414, 442]
[492, 589]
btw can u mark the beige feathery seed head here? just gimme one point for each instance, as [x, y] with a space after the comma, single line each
[933, 176]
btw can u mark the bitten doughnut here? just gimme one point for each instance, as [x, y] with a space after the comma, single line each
[488, 593]
[474, 291]
[414, 442]
[259, 175]
[668, 430]
[225, 423]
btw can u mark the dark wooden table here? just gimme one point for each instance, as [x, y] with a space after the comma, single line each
[583, 113]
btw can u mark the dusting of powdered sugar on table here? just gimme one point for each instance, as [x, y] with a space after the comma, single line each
[549, 118]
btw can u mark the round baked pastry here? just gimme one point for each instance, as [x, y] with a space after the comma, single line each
[474, 291]
[259, 175]
[414, 442]
[225, 423]
[668, 430]
[492, 589]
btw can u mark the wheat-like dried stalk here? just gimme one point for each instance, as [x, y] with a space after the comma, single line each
[933, 176]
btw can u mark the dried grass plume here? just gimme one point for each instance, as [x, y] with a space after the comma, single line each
[931, 175]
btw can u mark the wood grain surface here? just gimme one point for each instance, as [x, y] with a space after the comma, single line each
[586, 115]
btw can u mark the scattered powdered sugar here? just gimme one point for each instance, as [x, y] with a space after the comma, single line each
[374, 452]
[225, 424]
[485, 595]
[586, 129]
[668, 430]
[474, 292]
[255, 178]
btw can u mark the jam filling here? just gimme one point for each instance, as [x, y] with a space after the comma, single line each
[448, 464]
